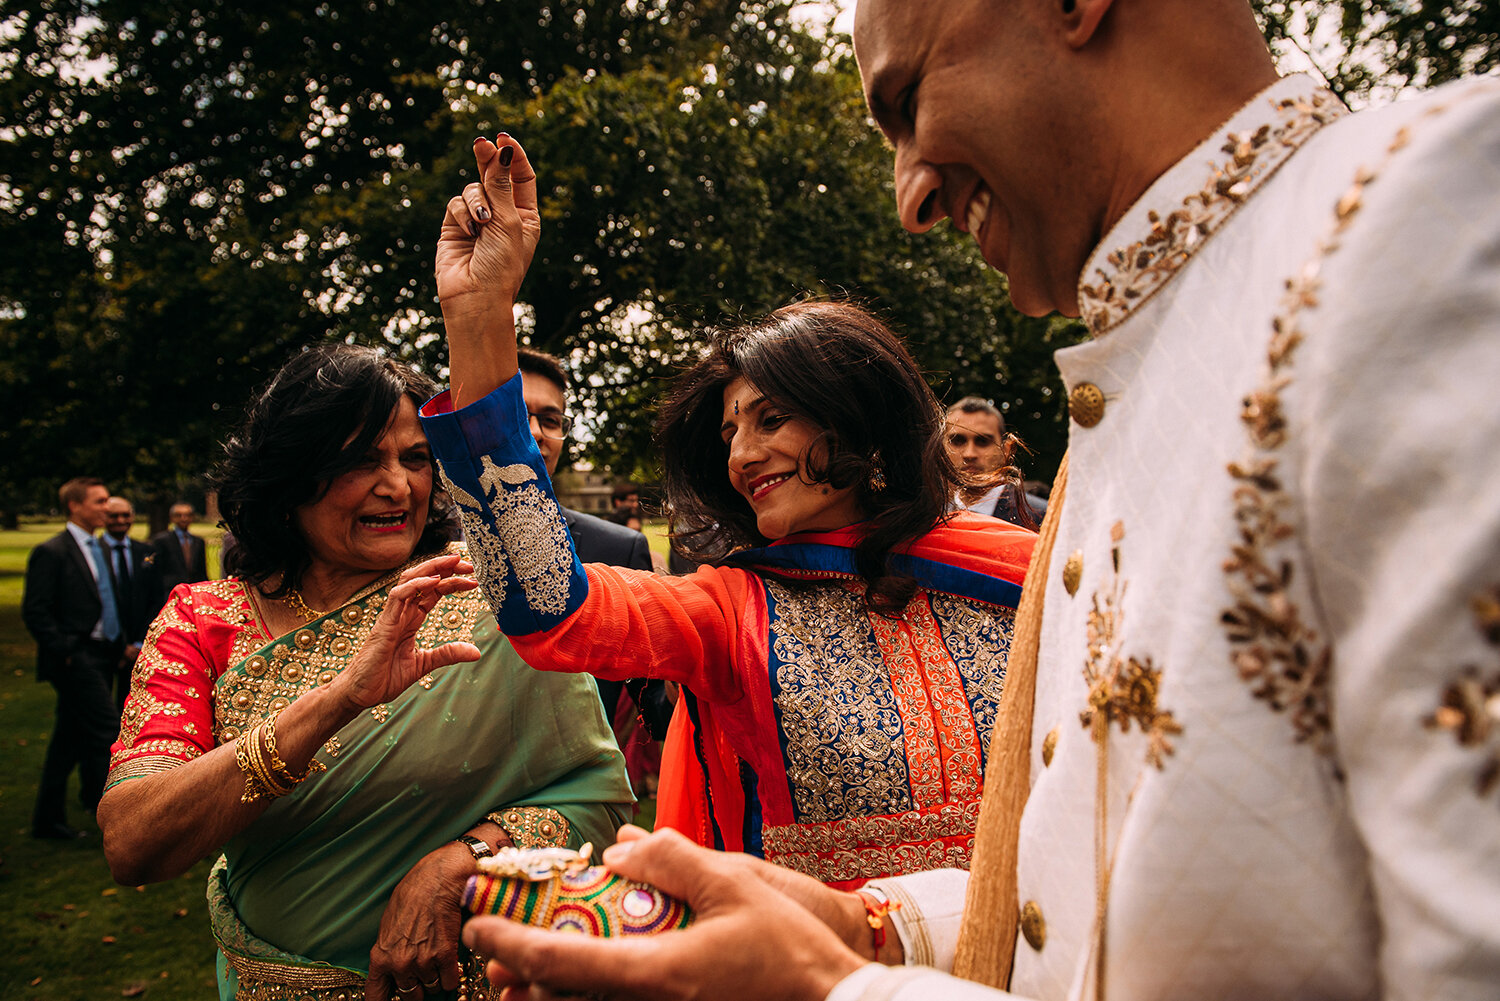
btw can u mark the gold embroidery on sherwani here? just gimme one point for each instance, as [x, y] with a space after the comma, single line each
[1272, 647]
[1281, 655]
[845, 753]
[1135, 272]
[1121, 689]
[1470, 707]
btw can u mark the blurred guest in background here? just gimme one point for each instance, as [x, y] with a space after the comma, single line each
[990, 483]
[138, 587]
[182, 557]
[70, 608]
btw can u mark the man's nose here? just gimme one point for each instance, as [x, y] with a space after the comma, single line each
[918, 190]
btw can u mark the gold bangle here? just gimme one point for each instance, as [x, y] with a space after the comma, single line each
[278, 767]
[262, 767]
[254, 788]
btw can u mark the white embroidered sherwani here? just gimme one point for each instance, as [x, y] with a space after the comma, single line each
[1272, 618]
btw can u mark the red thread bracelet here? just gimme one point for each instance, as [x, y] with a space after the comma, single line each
[876, 911]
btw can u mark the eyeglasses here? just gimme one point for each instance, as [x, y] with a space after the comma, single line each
[552, 423]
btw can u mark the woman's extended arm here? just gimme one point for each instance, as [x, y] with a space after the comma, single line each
[488, 237]
[157, 826]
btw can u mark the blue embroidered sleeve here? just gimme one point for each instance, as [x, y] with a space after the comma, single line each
[523, 555]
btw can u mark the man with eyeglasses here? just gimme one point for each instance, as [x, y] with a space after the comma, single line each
[544, 384]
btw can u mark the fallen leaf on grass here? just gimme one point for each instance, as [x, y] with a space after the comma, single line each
[36, 981]
[20, 741]
[181, 912]
[109, 892]
[140, 889]
[67, 907]
[134, 989]
[108, 940]
[83, 914]
[164, 974]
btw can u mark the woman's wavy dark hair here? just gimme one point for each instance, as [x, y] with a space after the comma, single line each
[840, 369]
[315, 420]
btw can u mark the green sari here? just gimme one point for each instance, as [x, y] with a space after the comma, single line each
[297, 898]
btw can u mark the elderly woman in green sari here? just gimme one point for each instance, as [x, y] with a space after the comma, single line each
[340, 715]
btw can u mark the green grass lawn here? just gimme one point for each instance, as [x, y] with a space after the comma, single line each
[69, 931]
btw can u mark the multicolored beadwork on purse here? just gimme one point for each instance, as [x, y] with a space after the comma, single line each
[577, 898]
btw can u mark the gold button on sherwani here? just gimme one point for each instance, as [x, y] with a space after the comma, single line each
[1033, 925]
[1086, 404]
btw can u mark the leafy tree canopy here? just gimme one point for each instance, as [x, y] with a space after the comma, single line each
[190, 192]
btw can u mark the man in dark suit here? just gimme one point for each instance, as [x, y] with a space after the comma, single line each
[182, 557]
[69, 607]
[544, 384]
[137, 586]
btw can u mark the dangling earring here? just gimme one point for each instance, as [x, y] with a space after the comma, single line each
[877, 474]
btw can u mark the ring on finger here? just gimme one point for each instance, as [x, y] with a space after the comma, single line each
[403, 991]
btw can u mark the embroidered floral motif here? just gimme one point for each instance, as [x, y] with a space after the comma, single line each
[533, 826]
[1271, 646]
[1122, 689]
[914, 650]
[152, 751]
[978, 638]
[529, 539]
[273, 678]
[845, 747]
[491, 568]
[1470, 708]
[1133, 273]
[870, 847]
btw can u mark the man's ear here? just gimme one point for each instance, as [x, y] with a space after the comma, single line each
[1081, 19]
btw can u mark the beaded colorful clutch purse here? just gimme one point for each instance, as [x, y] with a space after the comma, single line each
[556, 888]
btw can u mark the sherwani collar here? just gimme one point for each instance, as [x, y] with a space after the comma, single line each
[1184, 207]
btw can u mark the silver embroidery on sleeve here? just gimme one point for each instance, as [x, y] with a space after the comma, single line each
[490, 565]
[528, 538]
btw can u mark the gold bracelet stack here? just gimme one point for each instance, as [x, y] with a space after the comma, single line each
[266, 775]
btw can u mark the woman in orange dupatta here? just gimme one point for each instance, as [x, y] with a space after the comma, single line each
[844, 659]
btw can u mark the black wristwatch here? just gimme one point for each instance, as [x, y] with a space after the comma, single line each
[479, 849]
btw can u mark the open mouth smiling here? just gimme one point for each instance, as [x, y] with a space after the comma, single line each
[390, 522]
[762, 485]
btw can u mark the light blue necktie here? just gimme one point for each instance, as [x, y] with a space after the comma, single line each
[109, 622]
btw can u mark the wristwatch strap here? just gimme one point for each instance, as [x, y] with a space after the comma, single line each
[479, 849]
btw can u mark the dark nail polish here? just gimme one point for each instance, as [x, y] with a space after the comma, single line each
[473, 229]
[484, 213]
[506, 155]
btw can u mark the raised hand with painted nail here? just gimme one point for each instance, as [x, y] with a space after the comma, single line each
[489, 234]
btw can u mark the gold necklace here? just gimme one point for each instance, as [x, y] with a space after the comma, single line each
[294, 601]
